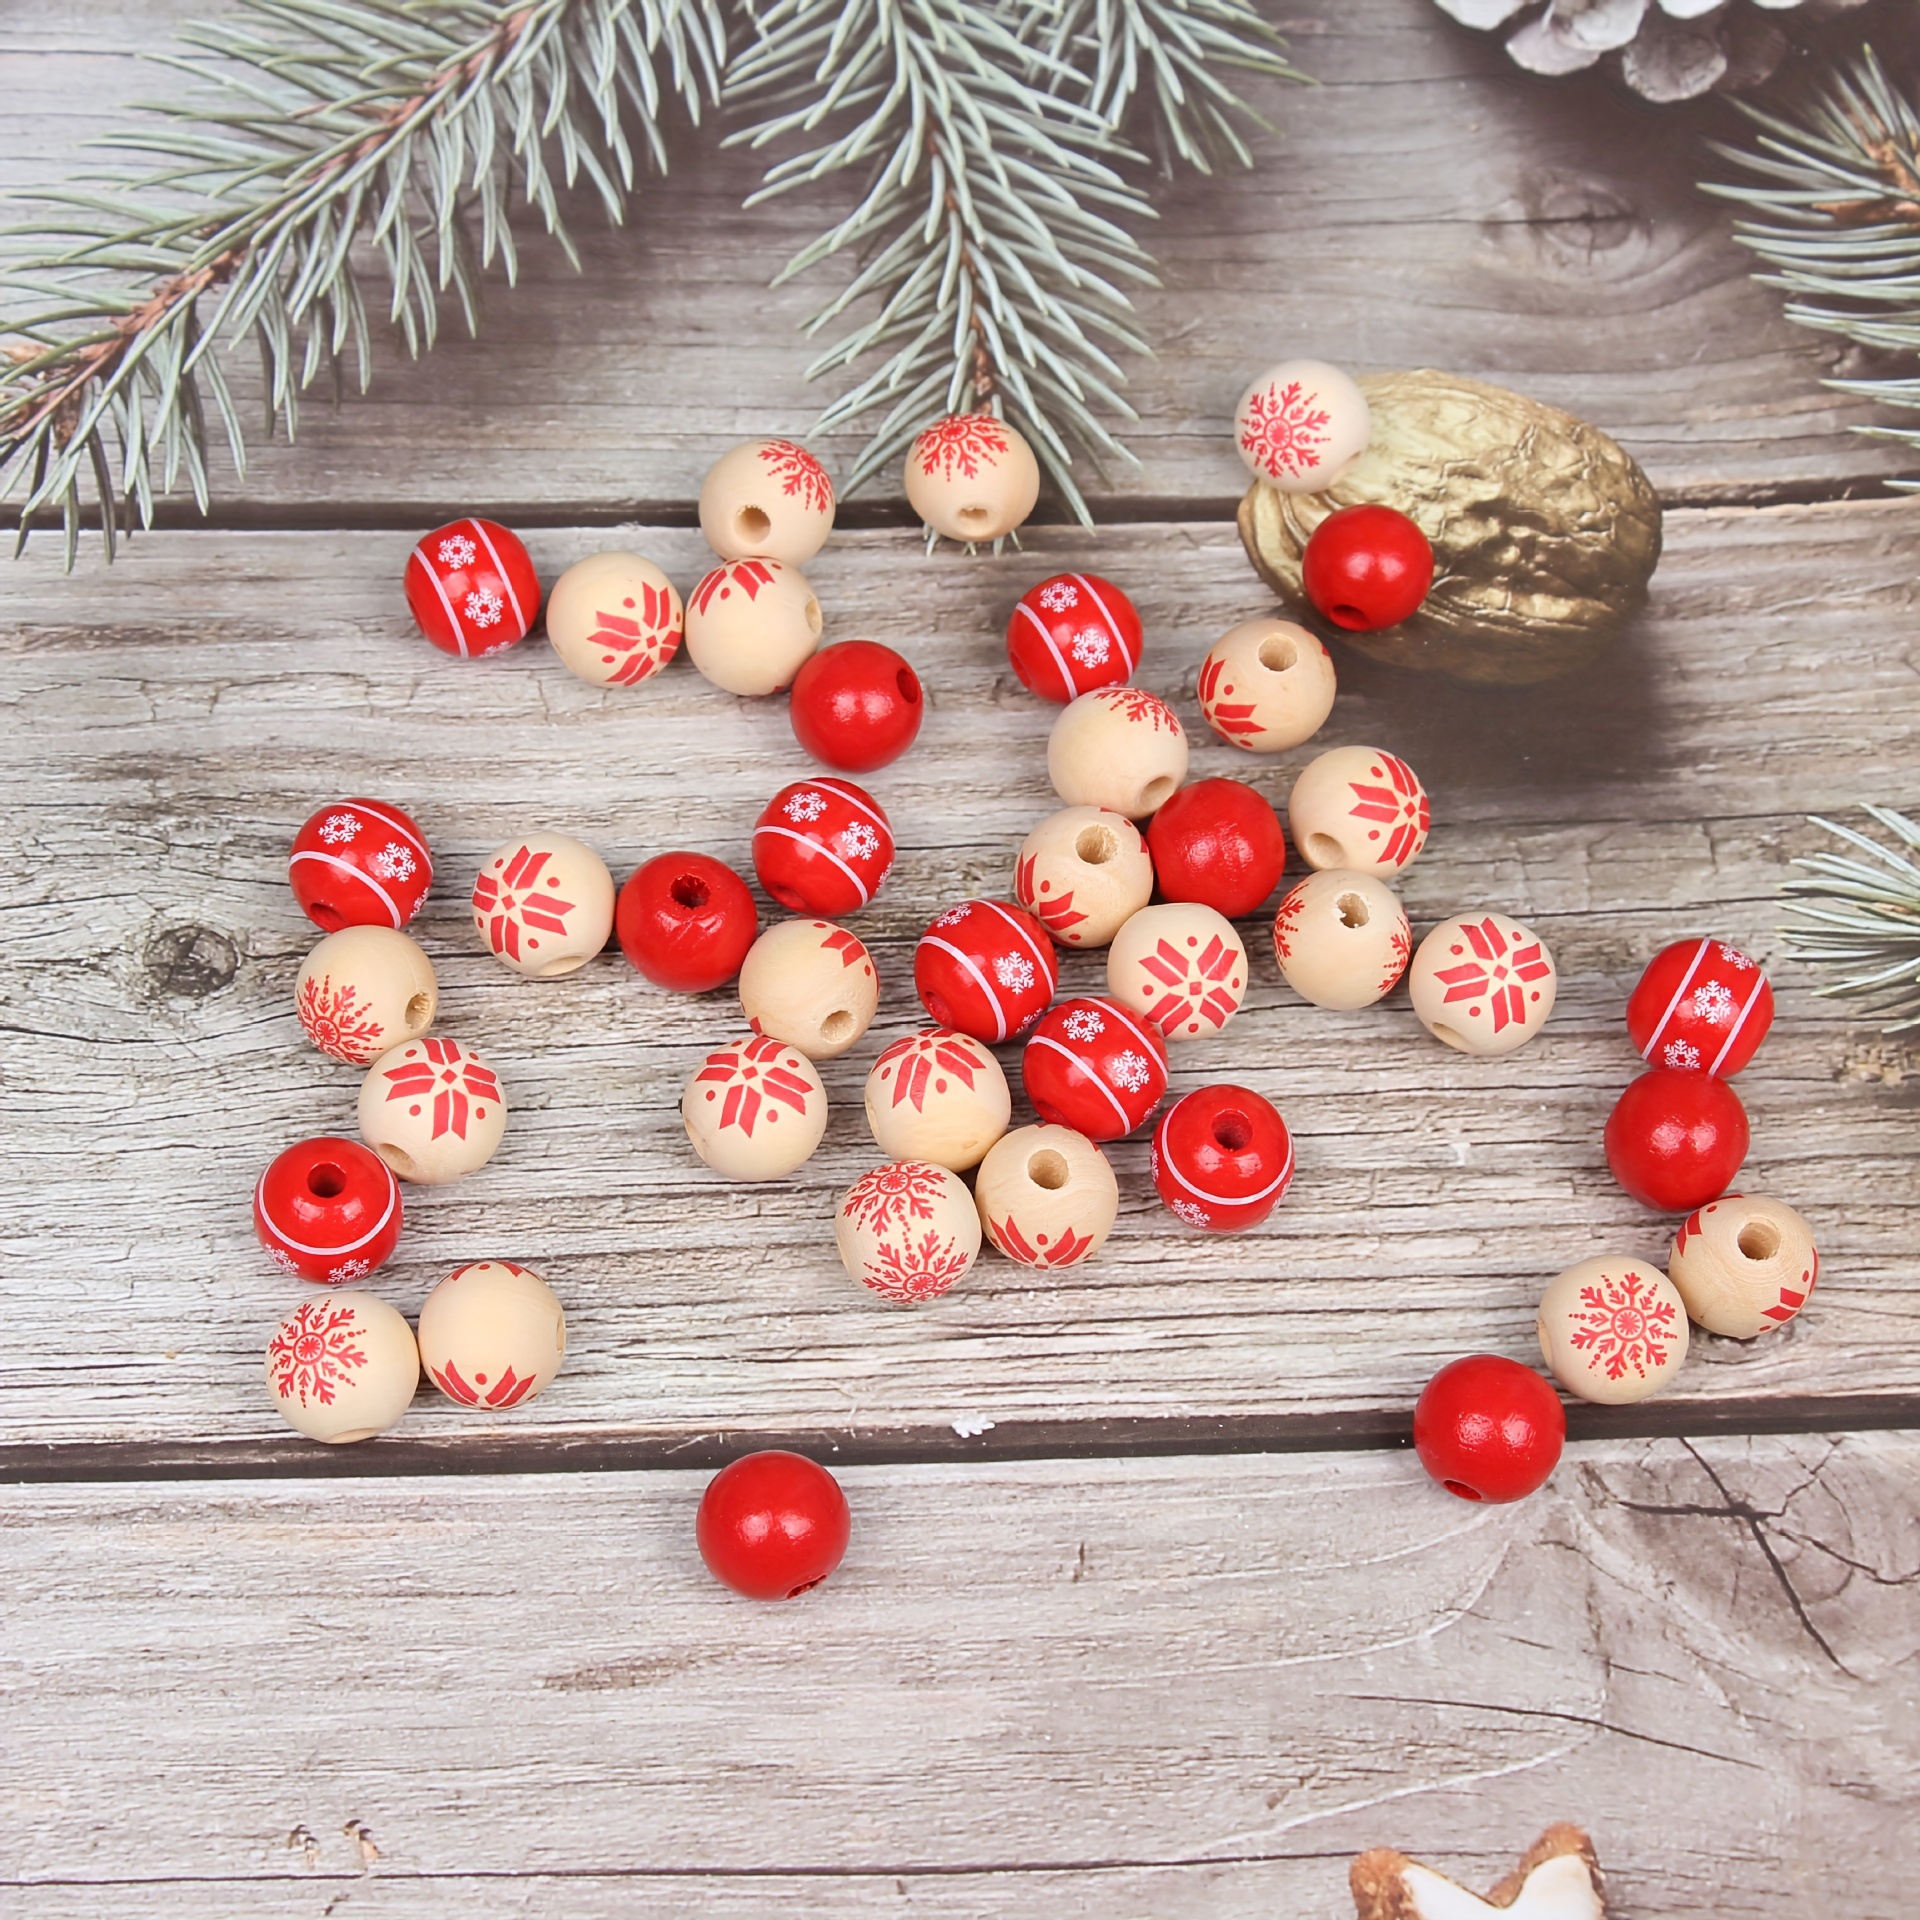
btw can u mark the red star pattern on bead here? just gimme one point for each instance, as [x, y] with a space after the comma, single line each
[1397, 956]
[314, 1352]
[1497, 974]
[756, 1082]
[899, 1192]
[1070, 1248]
[1193, 983]
[454, 1079]
[961, 444]
[1055, 915]
[509, 1390]
[1624, 1323]
[916, 1059]
[840, 941]
[748, 575]
[512, 904]
[335, 1020]
[648, 635]
[798, 473]
[1232, 722]
[1401, 804]
[1286, 924]
[1284, 430]
[1140, 708]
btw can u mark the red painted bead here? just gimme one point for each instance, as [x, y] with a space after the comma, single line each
[985, 968]
[686, 922]
[1489, 1429]
[1367, 567]
[856, 706]
[1092, 1066]
[1222, 1158]
[360, 863]
[1701, 1004]
[1219, 844]
[772, 1525]
[1073, 633]
[822, 847]
[472, 588]
[328, 1209]
[1676, 1138]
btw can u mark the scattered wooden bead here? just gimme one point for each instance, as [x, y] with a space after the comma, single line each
[755, 1110]
[1676, 1138]
[1093, 1066]
[937, 1095]
[772, 1525]
[750, 624]
[971, 477]
[543, 904]
[1083, 873]
[1342, 939]
[811, 984]
[1047, 1196]
[1120, 748]
[614, 619]
[1219, 844]
[492, 1335]
[1267, 686]
[1301, 425]
[472, 588]
[432, 1110]
[823, 847]
[1366, 567]
[1358, 807]
[1180, 967]
[908, 1230]
[1489, 1429]
[1482, 983]
[1701, 1005]
[1613, 1330]
[686, 922]
[856, 706]
[328, 1210]
[985, 968]
[767, 500]
[343, 1368]
[363, 989]
[1072, 633]
[1222, 1158]
[1744, 1264]
[359, 863]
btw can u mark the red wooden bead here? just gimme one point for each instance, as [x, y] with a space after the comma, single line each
[985, 968]
[472, 588]
[360, 863]
[822, 847]
[328, 1209]
[1092, 1066]
[686, 922]
[1219, 844]
[1489, 1429]
[856, 706]
[1073, 633]
[1701, 1004]
[1367, 567]
[1676, 1138]
[772, 1525]
[1222, 1158]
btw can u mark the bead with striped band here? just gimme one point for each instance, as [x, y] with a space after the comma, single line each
[1702, 1006]
[359, 863]
[1222, 1158]
[985, 968]
[327, 1209]
[1093, 1066]
[1072, 633]
[472, 588]
[822, 847]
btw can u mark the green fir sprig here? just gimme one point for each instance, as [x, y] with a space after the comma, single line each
[1864, 916]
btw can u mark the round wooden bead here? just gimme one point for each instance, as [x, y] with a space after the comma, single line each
[755, 1110]
[767, 500]
[1047, 1196]
[1701, 1005]
[343, 1368]
[359, 863]
[472, 588]
[1180, 967]
[985, 968]
[1361, 808]
[1301, 425]
[1743, 1265]
[1118, 748]
[1482, 983]
[1222, 1158]
[1217, 842]
[811, 984]
[492, 1334]
[971, 477]
[1072, 633]
[750, 624]
[856, 706]
[432, 1110]
[1676, 1138]
[937, 1095]
[1092, 1066]
[822, 846]
[1613, 1330]
[1342, 938]
[614, 619]
[1083, 873]
[328, 1210]
[1267, 685]
[363, 989]
[908, 1230]
[686, 922]
[544, 904]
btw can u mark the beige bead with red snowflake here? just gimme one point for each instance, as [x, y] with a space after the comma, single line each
[1482, 983]
[1120, 748]
[1342, 939]
[1180, 966]
[937, 1095]
[363, 989]
[1047, 1196]
[544, 904]
[908, 1230]
[767, 500]
[752, 624]
[432, 1110]
[492, 1335]
[972, 477]
[1613, 1330]
[811, 984]
[1361, 808]
[1083, 873]
[343, 1367]
[1744, 1264]
[755, 1110]
[614, 619]
[1267, 685]
[1301, 425]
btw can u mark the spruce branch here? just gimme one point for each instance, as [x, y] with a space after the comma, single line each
[1868, 917]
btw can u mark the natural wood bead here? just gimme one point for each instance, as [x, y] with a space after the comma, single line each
[971, 477]
[364, 988]
[937, 1095]
[544, 904]
[755, 1110]
[1084, 871]
[1613, 1330]
[492, 1335]
[908, 1230]
[614, 619]
[1301, 425]
[432, 1110]
[1482, 983]
[751, 624]
[1267, 685]
[1342, 939]
[1119, 748]
[811, 984]
[343, 1367]
[1181, 966]
[1047, 1196]
[767, 500]
[1358, 807]
[1744, 1264]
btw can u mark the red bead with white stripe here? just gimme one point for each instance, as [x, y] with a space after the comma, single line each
[1702, 1006]
[472, 588]
[1744, 1265]
[328, 1210]
[1222, 1158]
[822, 847]
[985, 968]
[360, 863]
[1092, 1066]
[1073, 633]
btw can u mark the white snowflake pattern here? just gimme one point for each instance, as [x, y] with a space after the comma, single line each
[457, 551]
[954, 915]
[805, 806]
[350, 1270]
[1084, 1024]
[1091, 647]
[1681, 1053]
[484, 607]
[859, 842]
[1192, 1213]
[1058, 595]
[1128, 1070]
[282, 1259]
[394, 862]
[1713, 1003]
[1014, 971]
[339, 827]
[1735, 958]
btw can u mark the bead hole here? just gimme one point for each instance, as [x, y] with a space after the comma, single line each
[1759, 1240]
[691, 891]
[1157, 793]
[1278, 653]
[1462, 1489]
[837, 1026]
[1353, 910]
[419, 1012]
[323, 913]
[1350, 617]
[972, 517]
[1452, 1039]
[805, 1586]
[398, 1158]
[815, 624]
[1048, 1169]
[752, 525]
[909, 686]
[1234, 1131]
[326, 1180]
[1096, 845]
[1323, 850]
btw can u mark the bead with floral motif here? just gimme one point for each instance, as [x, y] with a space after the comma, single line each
[1342, 939]
[363, 990]
[937, 1095]
[908, 1230]
[1120, 748]
[432, 1110]
[767, 500]
[614, 619]
[343, 1368]
[1047, 1196]
[1267, 686]
[492, 1335]
[1084, 872]
[1482, 983]
[971, 477]
[1358, 807]
[544, 904]
[1744, 1265]
[751, 624]
[1301, 425]
[1613, 1330]
[755, 1110]
[1180, 967]
[811, 984]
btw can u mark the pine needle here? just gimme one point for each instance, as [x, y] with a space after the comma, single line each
[1869, 917]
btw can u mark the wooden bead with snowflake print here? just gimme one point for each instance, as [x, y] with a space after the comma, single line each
[492, 1335]
[755, 1110]
[1095, 1067]
[1072, 633]
[1222, 1158]
[1120, 748]
[1358, 807]
[543, 904]
[614, 619]
[1743, 1265]
[472, 588]
[1047, 1196]
[751, 625]
[362, 990]
[908, 1230]
[1083, 873]
[985, 968]
[1179, 966]
[1613, 1330]
[327, 1209]
[432, 1110]
[1342, 939]
[823, 846]
[1482, 983]
[971, 477]
[1702, 1006]
[343, 1368]
[1301, 425]
[937, 1095]
[767, 500]
[359, 863]
[1267, 686]
[811, 984]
